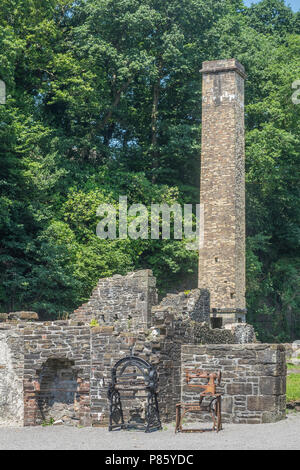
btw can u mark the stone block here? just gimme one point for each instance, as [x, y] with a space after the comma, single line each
[272, 385]
[262, 403]
[104, 330]
[239, 389]
[226, 405]
[23, 315]
[271, 417]
[268, 356]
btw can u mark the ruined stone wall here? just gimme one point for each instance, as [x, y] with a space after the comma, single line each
[11, 376]
[160, 345]
[13, 318]
[253, 379]
[66, 365]
[121, 298]
[222, 188]
[172, 325]
[171, 330]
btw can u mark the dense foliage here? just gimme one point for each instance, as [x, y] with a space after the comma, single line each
[104, 99]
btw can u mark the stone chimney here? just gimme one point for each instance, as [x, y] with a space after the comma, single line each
[222, 191]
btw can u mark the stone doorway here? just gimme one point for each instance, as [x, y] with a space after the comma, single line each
[58, 400]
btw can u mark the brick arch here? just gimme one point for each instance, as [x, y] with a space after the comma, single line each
[58, 391]
[58, 397]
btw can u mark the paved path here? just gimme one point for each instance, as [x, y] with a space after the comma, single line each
[282, 435]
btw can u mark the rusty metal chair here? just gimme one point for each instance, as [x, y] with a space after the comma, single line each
[208, 391]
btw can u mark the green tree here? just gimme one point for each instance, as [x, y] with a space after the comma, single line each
[104, 99]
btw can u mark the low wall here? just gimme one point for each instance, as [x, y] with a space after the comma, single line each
[161, 345]
[253, 379]
[54, 350]
[61, 370]
[43, 358]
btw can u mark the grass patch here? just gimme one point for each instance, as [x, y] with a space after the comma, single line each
[291, 366]
[293, 387]
[48, 423]
[289, 411]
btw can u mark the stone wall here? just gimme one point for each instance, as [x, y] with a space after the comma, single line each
[11, 377]
[253, 379]
[194, 303]
[67, 369]
[171, 330]
[160, 345]
[16, 317]
[126, 299]
[76, 350]
[66, 365]
[12, 366]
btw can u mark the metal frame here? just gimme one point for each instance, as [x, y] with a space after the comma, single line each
[122, 382]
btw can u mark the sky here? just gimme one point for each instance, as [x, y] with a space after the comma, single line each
[295, 4]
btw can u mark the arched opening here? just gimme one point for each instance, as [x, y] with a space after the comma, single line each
[58, 398]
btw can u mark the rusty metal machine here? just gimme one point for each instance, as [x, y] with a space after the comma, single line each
[194, 378]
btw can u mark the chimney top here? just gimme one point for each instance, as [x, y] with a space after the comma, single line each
[224, 65]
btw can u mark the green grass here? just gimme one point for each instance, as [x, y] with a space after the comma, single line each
[48, 423]
[289, 412]
[293, 387]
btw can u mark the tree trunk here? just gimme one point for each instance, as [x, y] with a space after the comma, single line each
[115, 103]
[154, 120]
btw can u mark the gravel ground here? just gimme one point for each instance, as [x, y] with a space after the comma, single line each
[282, 435]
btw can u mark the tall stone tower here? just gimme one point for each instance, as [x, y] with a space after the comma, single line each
[222, 191]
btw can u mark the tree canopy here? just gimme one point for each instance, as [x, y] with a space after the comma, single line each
[104, 99]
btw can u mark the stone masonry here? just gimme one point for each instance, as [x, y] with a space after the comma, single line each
[49, 349]
[60, 371]
[11, 377]
[195, 303]
[121, 298]
[222, 189]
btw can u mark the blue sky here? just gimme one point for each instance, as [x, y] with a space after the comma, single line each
[295, 4]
